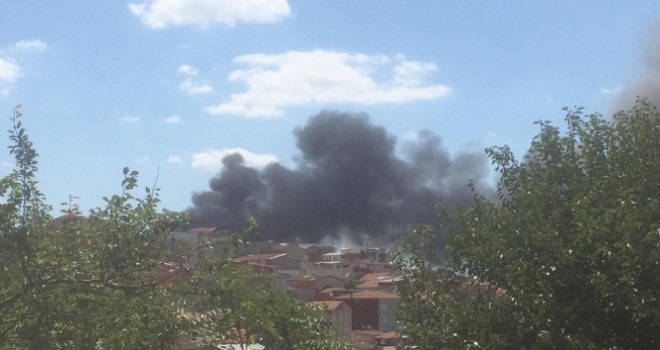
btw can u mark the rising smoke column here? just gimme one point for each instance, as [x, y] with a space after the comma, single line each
[648, 85]
[348, 179]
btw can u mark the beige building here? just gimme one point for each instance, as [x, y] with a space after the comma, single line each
[339, 313]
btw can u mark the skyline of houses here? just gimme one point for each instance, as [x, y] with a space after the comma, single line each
[354, 285]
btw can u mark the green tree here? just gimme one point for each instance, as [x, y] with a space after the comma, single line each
[81, 283]
[229, 303]
[91, 283]
[567, 258]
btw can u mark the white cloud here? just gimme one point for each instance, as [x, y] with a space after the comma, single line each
[9, 70]
[611, 91]
[411, 73]
[175, 119]
[129, 119]
[158, 14]
[212, 159]
[4, 92]
[192, 88]
[142, 159]
[188, 70]
[325, 77]
[30, 45]
[174, 159]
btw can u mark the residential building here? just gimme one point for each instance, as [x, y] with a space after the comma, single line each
[275, 260]
[339, 313]
[372, 310]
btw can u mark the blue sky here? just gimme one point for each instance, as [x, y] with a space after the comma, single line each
[177, 84]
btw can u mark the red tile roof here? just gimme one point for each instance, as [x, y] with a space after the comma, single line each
[331, 289]
[371, 280]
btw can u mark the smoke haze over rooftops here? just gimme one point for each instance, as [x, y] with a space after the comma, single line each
[648, 85]
[348, 179]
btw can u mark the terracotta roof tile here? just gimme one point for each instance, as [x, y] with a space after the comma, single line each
[370, 280]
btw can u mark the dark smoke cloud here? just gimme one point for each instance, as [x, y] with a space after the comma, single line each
[348, 179]
[648, 85]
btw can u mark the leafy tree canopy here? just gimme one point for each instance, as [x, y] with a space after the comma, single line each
[81, 283]
[568, 258]
[93, 282]
[230, 303]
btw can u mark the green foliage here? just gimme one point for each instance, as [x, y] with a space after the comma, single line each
[91, 283]
[79, 283]
[229, 303]
[351, 283]
[568, 258]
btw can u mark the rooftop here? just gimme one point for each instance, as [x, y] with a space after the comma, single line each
[334, 254]
[310, 245]
[257, 257]
[371, 280]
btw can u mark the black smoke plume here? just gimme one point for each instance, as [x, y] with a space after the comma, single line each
[648, 85]
[348, 179]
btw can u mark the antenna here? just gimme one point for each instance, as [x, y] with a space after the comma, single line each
[73, 207]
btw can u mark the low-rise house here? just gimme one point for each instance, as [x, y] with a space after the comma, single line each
[353, 252]
[186, 247]
[376, 340]
[275, 260]
[333, 257]
[370, 265]
[292, 250]
[379, 254]
[372, 310]
[314, 251]
[331, 293]
[258, 247]
[338, 269]
[335, 262]
[322, 282]
[302, 251]
[383, 281]
[305, 288]
[339, 313]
